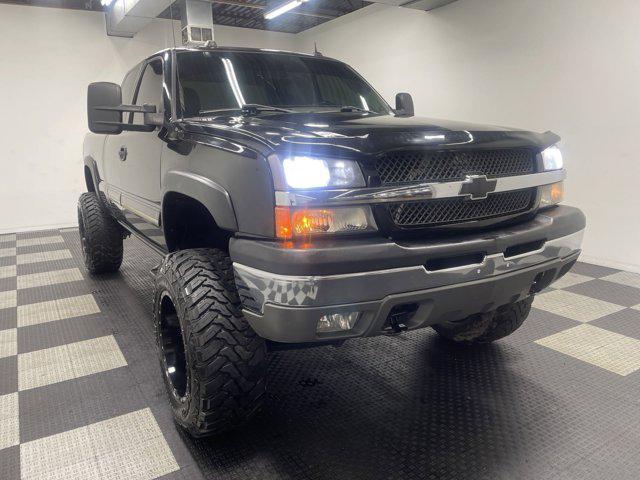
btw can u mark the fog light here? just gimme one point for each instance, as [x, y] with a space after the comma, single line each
[336, 322]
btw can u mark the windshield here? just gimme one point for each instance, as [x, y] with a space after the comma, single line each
[226, 80]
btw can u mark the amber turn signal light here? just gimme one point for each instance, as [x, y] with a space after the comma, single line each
[302, 222]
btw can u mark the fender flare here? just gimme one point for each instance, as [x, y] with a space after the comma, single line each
[92, 165]
[209, 193]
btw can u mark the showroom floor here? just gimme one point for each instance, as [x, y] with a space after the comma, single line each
[81, 394]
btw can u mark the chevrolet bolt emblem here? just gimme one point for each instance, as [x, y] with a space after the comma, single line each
[477, 187]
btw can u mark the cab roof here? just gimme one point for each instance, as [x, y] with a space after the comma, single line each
[237, 49]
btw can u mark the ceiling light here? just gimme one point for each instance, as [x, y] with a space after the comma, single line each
[276, 12]
[106, 3]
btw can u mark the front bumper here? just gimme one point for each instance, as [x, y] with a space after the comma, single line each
[443, 280]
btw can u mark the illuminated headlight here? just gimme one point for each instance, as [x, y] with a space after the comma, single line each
[302, 172]
[551, 194]
[552, 158]
[305, 222]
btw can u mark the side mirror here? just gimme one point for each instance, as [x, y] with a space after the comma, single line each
[104, 111]
[104, 94]
[404, 105]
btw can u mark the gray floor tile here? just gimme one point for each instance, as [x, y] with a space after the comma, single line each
[61, 332]
[53, 292]
[590, 270]
[7, 261]
[9, 283]
[8, 318]
[77, 403]
[609, 292]
[10, 463]
[8, 375]
[625, 322]
[29, 268]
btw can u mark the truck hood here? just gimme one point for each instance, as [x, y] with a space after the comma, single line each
[346, 134]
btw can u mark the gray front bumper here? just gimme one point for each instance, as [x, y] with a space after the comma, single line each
[283, 302]
[286, 308]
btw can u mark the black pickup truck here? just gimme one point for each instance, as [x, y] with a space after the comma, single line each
[294, 207]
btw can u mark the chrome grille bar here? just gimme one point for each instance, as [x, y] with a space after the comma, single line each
[408, 193]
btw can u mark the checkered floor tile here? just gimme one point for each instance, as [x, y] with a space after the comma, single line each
[50, 342]
[81, 394]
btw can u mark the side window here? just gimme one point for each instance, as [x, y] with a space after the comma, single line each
[150, 90]
[129, 85]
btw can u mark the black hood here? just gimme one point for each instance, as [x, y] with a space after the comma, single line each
[356, 133]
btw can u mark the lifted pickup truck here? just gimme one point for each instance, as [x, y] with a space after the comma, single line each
[294, 207]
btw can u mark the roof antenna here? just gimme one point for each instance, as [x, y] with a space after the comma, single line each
[315, 50]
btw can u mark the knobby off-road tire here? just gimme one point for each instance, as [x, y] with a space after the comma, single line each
[100, 235]
[487, 327]
[214, 365]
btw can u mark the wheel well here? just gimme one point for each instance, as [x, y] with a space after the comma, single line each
[88, 178]
[187, 223]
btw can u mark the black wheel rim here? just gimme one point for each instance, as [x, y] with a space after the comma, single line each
[174, 360]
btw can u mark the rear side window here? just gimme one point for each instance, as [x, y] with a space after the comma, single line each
[150, 91]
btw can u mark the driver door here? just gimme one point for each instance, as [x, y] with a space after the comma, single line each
[135, 157]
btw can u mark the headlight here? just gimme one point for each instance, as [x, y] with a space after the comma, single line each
[303, 172]
[304, 222]
[552, 158]
[551, 194]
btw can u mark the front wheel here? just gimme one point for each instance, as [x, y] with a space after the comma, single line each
[487, 327]
[214, 365]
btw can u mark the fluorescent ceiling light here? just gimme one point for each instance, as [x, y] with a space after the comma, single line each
[276, 12]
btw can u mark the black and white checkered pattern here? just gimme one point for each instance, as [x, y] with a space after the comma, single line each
[81, 394]
[75, 399]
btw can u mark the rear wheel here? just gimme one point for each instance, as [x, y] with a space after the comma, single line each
[100, 235]
[487, 327]
[213, 363]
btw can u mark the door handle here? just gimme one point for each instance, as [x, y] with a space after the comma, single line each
[122, 153]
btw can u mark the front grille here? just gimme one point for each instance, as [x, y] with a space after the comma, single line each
[405, 166]
[444, 211]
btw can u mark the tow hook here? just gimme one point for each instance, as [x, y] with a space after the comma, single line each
[395, 321]
[398, 316]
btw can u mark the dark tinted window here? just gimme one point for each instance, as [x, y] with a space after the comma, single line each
[150, 91]
[218, 80]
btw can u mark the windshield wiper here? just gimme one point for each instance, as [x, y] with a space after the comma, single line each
[253, 108]
[248, 109]
[351, 108]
